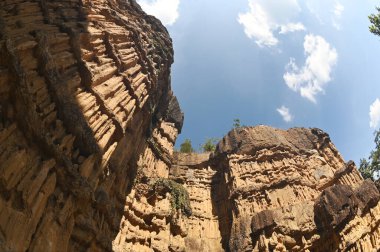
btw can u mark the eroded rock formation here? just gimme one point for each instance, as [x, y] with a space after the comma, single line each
[84, 97]
[208, 226]
[267, 189]
[291, 190]
[88, 123]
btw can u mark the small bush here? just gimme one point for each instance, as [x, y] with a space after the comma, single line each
[180, 197]
[236, 123]
[210, 144]
[186, 147]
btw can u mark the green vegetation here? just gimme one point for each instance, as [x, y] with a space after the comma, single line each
[236, 123]
[375, 22]
[369, 168]
[209, 145]
[186, 146]
[180, 197]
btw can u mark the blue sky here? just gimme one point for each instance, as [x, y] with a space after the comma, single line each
[288, 63]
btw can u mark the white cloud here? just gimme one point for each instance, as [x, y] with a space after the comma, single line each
[165, 10]
[310, 79]
[338, 11]
[292, 27]
[257, 25]
[330, 11]
[285, 113]
[266, 17]
[374, 114]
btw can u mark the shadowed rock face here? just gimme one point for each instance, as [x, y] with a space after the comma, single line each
[88, 123]
[338, 204]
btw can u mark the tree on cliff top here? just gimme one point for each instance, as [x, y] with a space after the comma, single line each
[371, 167]
[186, 146]
[375, 22]
[236, 123]
[210, 144]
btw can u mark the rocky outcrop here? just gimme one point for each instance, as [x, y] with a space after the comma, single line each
[294, 187]
[267, 189]
[84, 97]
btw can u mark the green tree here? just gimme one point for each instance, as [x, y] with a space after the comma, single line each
[210, 144]
[186, 146]
[375, 22]
[365, 169]
[236, 123]
[369, 168]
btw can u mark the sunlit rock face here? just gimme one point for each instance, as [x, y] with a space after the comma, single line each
[292, 191]
[88, 123]
[84, 96]
[267, 189]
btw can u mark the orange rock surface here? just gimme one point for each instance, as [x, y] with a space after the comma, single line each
[88, 124]
[84, 94]
[266, 189]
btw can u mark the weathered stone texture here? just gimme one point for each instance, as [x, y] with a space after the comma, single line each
[267, 189]
[88, 124]
[207, 224]
[84, 94]
[149, 222]
[291, 191]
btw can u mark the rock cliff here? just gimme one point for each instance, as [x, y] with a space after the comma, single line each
[291, 190]
[88, 122]
[266, 189]
[85, 96]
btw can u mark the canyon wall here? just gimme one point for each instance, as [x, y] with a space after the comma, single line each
[267, 189]
[84, 96]
[292, 191]
[88, 124]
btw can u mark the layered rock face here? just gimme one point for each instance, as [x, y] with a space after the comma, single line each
[149, 221]
[267, 189]
[208, 225]
[84, 97]
[291, 191]
[272, 174]
[88, 123]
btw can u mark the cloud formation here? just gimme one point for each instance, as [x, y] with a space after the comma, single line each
[165, 10]
[330, 11]
[338, 12]
[315, 74]
[292, 27]
[285, 113]
[374, 114]
[267, 17]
